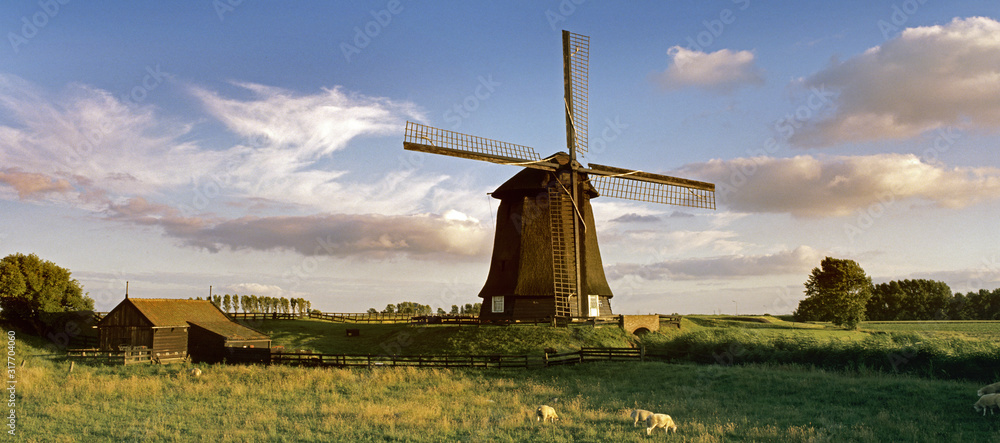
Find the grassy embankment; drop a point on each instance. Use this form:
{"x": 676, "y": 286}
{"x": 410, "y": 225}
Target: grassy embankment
{"x": 713, "y": 402}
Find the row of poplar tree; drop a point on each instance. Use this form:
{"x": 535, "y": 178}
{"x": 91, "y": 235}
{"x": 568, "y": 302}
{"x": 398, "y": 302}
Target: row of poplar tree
{"x": 839, "y": 291}
{"x": 260, "y": 305}
{"x": 409, "y": 307}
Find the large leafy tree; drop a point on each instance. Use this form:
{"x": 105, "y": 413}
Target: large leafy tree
{"x": 838, "y": 292}
{"x": 30, "y": 286}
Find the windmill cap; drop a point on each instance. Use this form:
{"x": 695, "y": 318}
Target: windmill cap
{"x": 531, "y": 182}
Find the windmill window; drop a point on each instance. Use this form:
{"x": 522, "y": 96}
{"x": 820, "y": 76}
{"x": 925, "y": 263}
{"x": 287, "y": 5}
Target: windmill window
{"x": 497, "y": 304}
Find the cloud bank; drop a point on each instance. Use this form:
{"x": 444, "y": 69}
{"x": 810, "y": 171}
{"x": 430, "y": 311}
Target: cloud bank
{"x": 796, "y": 261}
{"x": 927, "y": 78}
{"x": 807, "y": 186}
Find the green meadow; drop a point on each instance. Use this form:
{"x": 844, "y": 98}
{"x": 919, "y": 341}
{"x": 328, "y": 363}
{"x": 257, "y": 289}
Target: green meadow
{"x": 712, "y": 379}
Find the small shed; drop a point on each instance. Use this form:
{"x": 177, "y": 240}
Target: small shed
{"x": 174, "y": 329}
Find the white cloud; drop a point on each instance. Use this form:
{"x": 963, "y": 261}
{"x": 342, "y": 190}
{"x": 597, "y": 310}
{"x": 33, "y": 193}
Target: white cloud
{"x": 927, "y": 78}
{"x": 258, "y": 289}
{"x": 807, "y": 186}
{"x": 796, "y": 261}
{"x": 720, "y": 71}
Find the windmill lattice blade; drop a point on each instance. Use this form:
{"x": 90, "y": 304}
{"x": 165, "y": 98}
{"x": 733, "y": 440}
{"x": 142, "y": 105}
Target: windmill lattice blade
{"x": 441, "y": 141}
{"x": 577, "y": 73}
{"x": 641, "y": 190}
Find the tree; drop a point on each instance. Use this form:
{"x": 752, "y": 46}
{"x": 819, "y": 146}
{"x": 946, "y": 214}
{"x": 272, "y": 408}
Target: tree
{"x": 372, "y": 311}
{"x": 227, "y": 302}
{"x": 838, "y": 292}
{"x": 389, "y": 309}
{"x": 30, "y": 286}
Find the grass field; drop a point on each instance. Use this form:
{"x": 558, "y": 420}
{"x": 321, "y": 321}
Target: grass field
{"x": 714, "y": 402}
{"x": 975, "y": 329}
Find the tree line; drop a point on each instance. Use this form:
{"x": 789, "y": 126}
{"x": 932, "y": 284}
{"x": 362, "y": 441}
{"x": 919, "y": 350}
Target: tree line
{"x": 840, "y": 292}
{"x": 409, "y": 307}
{"x": 260, "y": 305}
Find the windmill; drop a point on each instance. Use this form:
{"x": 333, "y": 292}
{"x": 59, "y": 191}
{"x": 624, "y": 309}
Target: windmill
{"x": 546, "y": 263}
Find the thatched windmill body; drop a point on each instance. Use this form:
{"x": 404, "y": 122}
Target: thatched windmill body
{"x": 546, "y": 262}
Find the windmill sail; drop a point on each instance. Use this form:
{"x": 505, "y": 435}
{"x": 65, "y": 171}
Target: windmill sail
{"x": 655, "y": 188}
{"x": 442, "y": 141}
{"x": 576, "y": 75}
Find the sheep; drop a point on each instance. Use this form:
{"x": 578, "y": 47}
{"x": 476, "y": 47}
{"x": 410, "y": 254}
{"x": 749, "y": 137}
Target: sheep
{"x": 639, "y": 415}
{"x": 660, "y": 421}
{"x": 989, "y": 389}
{"x": 988, "y": 401}
{"x": 544, "y": 413}
{"x": 195, "y": 372}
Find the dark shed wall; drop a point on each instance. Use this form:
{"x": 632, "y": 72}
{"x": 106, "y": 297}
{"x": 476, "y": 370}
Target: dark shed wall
{"x": 170, "y": 343}
{"x": 124, "y": 326}
{"x": 206, "y": 346}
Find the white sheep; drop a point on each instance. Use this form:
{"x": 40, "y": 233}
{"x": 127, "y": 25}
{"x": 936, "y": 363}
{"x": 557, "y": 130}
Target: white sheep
{"x": 544, "y": 413}
{"x": 660, "y": 421}
{"x": 988, "y": 401}
{"x": 989, "y": 389}
{"x": 195, "y": 372}
{"x": 639, "y": 415}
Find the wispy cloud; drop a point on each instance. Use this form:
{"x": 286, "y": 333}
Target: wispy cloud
{"x": 720, "y": 71}
{"x": 127, "y": 163}
{"x": 807, "y": 186}
{"x": 927, "y": 78}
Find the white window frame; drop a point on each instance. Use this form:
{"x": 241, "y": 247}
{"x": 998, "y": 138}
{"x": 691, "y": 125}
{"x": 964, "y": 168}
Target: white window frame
{"x": 497, "y": 304}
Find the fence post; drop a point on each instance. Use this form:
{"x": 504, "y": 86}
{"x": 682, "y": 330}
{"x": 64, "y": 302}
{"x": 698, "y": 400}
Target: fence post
{"x": 642, "y": 352}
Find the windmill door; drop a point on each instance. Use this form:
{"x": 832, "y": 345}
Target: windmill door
{"x": 594, "y": 303}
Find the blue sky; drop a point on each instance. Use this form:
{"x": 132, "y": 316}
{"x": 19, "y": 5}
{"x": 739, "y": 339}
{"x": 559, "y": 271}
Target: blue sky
{"x": 257, "y": 146}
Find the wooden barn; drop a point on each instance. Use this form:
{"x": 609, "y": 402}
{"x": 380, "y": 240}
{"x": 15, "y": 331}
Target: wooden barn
{"x": 175, "y": 329}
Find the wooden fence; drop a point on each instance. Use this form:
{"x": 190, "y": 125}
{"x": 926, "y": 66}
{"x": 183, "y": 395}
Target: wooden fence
{"x": 362, "y": 317}
{"x": 460, "y": 361}
{"x": 264, "y": 316}
{"x": 126, "y": 356}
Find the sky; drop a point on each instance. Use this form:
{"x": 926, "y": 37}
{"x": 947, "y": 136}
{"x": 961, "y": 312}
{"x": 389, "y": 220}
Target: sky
{"x": 255, "y": 147}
